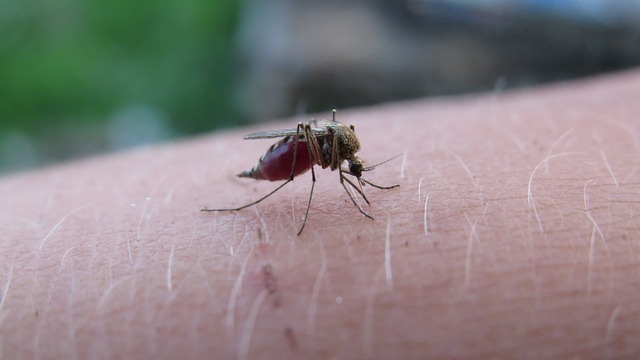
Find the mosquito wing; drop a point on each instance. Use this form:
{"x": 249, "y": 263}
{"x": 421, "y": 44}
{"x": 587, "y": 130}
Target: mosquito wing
{"x": 270, "y": 134}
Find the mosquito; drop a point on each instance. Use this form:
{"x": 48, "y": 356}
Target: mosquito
{"x": 324, "y": 143}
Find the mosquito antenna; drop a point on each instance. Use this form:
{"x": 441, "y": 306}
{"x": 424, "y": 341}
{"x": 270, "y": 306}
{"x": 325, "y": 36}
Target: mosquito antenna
{"x": 369, "y": 168}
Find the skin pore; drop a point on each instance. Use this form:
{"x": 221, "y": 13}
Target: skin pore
{"x": 514, "y": 234}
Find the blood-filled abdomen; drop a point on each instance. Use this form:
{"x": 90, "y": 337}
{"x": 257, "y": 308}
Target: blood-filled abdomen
{"x": 276, "y": 163}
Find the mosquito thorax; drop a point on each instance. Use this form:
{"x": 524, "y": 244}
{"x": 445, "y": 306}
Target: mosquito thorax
{"x": 346, "y": 144}
{"x": 349, "y": 144}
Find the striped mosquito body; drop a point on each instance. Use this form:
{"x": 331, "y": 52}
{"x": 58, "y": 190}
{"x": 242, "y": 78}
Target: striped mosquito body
{"x": 325, "y": 143}
{"x": 276, "y": 163}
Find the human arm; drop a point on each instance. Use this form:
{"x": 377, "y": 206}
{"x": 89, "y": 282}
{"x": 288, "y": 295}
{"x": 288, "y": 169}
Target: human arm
{"x": 528, "y": 248}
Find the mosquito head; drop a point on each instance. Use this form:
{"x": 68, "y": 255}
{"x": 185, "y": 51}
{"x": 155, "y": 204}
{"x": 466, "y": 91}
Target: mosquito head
{"x": 356, "y": 166}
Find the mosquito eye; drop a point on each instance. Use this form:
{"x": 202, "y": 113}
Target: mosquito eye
{"x": 356, "y": 169}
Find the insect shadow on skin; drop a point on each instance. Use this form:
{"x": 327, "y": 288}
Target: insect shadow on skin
{"x": 324, "y": 143}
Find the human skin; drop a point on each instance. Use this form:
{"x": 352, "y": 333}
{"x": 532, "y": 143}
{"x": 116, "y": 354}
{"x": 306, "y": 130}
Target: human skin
{"x": 514, "y": 234}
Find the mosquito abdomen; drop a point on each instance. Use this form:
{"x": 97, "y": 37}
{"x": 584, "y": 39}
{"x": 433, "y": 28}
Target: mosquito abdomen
{"x": 276, "y": 163}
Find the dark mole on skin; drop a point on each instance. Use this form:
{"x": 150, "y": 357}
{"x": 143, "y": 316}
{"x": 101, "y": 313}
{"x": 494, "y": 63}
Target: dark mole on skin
{"x": 270, "y": 284}
{"x": 291, "y": 337}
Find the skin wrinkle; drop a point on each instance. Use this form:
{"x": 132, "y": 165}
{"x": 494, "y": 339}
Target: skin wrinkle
{"x": 525, "y": 294}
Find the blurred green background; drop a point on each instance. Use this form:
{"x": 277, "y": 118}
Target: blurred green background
{"x": 72, "y": 72}
{"x": 80, "y": 77}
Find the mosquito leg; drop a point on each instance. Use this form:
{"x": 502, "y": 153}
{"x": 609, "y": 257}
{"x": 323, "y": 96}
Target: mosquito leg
{"x": 305, "y": 133}
{"x": 253, "y": 203}
{"x": 308, "y": 135}
{"x": 314, "y": 147}
{"x": 335, "y": 154}
{"x": 306, "y": 214}
{"x": 380, "y": 186}
{"x": 351, "y": 197}
{"x": 295, "y": 150}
